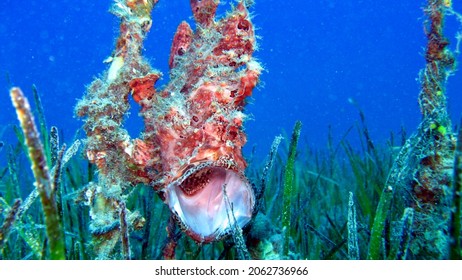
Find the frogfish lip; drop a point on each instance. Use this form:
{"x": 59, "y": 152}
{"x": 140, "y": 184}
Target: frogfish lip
{"x": 198, "y": 202}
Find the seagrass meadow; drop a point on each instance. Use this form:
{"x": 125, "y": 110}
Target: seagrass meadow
{"x": 397, "y": 200}
{"x": 329, "y": 211}
{"x": 330, "y": 219}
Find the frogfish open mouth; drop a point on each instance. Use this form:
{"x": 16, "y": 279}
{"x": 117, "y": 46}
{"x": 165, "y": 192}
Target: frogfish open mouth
{"x": 199, "y": 202}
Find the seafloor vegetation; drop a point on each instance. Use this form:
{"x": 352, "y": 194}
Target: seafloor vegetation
{"x": 332, "y": 204}
{"x": 400, "y": 200}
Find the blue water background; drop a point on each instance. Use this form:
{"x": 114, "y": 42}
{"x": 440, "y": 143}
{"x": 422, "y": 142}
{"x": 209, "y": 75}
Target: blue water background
{"x": 318, "y": 57}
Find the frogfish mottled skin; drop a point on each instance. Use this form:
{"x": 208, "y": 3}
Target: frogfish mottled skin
{"x": 194, "y": 125}
{"x": 191, "y": 148}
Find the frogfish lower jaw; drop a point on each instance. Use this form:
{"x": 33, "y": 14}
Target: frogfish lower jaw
{"x": 199, "y": 202}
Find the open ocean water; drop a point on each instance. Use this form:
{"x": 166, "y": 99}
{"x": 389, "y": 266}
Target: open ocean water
{"x": 324, "y": 62}
{"x": 318, "y": 57}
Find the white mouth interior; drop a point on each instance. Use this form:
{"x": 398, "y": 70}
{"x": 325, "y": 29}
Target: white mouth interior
{"x": 200, "y": 204}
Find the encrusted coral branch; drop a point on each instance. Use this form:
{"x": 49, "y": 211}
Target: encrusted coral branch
{"x": 108, "y": 144}
{"x": 106, "y": 103}
{"x": 422, "y": 173}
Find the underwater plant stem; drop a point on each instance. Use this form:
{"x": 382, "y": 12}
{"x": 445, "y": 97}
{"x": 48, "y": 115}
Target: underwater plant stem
{"x": 41, "y": 174}
{"x": 236, "y": 231}
{"x": 259, "y": 194}
{"x": 124, "y": 231}
{"x": 289, "y": 178}
{"x": 375, "y": 243}
{"x": 56, "y": 173}
{"x": 401, "y": 236}
{"x": 54, "y": 145}
{"x": 8, "y": 222}
{"x": 455, "y": 246}
{"x": 28, "y": 202}
{"x": 42, "y": 123}
{"x": 353, "y": 247}
{"x": 407, "y": 220}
